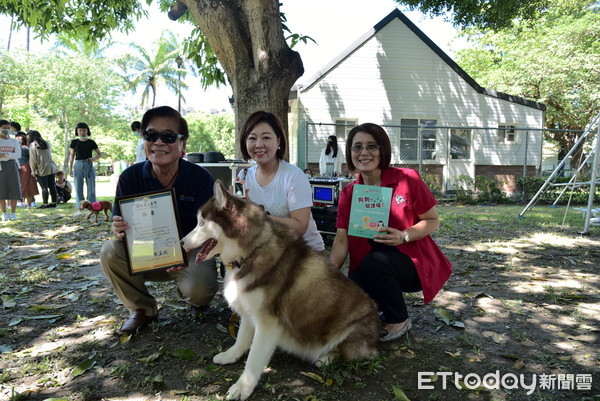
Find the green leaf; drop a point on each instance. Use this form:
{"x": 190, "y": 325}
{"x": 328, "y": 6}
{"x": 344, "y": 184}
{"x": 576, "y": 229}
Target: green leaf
{"x": 447, "y": 317}
{"x": 153, "y": 357}
{"x": 45, "y": 307}
{"x": 399, "y": 394}
{"x": 41, "y": 317}
{"x": 184, "y": 354}
{"x": 83, "y": 367}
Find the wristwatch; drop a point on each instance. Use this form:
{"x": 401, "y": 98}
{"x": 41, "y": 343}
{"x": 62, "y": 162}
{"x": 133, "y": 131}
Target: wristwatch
{"x": 406, "y": 237}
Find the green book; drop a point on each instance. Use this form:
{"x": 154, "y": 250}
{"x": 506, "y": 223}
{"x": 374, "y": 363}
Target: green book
{"x": 370, "y": 210}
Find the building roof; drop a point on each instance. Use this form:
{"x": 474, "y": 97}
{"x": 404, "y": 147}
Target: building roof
{"x": 421, "y": 35}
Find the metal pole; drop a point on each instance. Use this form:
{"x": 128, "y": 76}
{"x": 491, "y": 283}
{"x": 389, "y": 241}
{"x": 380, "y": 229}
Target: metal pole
{"x": 593, "y": 182}
{"x": 179, "y": 61}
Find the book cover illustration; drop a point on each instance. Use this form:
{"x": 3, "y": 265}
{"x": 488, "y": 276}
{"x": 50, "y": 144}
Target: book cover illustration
{"x": 370, "y": 210}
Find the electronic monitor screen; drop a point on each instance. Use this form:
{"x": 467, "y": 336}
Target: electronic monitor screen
{"x": 324, "y": 194}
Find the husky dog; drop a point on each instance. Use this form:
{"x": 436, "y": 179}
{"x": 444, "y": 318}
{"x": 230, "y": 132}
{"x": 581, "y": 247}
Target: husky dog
{"x": 287, "y": 295}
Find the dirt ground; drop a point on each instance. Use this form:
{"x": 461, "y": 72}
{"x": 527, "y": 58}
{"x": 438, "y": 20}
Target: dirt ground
{"x": 523, "y": 303}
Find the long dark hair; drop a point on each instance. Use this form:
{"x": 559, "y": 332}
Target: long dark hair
{"x": 333, "y": 147}
{"x": 34, "y": 136}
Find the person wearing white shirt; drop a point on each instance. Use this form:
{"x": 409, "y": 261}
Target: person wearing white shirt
{"x": 10, "y": 186}
{"x": 281, "y": 188}
{"x": 330, "y": 162}
{"x": 140, "y": 154}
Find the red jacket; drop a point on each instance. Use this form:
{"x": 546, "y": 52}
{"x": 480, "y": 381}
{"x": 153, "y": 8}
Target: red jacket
{"x": 410, "y": 197}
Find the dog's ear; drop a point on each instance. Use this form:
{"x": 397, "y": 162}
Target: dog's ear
{"x": 221, "y": 194}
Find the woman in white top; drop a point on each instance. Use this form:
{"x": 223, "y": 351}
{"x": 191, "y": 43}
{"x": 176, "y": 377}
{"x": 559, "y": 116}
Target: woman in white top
{"x": 330, "y": 163}
{"x": 281, "y": 188}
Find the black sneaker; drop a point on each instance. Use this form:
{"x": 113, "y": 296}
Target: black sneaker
{"x": 51, "y": 205}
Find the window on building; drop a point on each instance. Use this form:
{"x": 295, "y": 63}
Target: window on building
{"x": 460, "y": 143}
{"x": 409, "y": 139}
{"x": 343, "y": 126}
{"x": 506, "y": 133}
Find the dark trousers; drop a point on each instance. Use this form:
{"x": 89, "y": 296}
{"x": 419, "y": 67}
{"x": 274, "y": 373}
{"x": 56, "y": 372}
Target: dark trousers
{"x": 47, "y": 183}
{"x": 385, "y": 273}
{"x": 63, "y": 195}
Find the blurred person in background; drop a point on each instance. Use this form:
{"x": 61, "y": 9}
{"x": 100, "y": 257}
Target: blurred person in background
{"x": 29, "y": 186}
{"x": 10, "y": 185}
{"x": 81, "y": 164}
{"x": 42, "y": 167}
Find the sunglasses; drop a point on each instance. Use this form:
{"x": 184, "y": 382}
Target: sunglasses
{"x": 166, "y": 137}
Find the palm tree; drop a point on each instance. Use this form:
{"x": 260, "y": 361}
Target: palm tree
{"x": 152, "y": 68}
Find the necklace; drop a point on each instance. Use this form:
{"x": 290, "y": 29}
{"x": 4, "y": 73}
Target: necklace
{"x": 170, "y": 181}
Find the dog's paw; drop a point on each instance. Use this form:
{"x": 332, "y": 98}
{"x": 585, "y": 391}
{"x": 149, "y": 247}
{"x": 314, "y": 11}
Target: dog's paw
{"x": 225, "y": 358}
{"x": 327, "y": 359}
{"x": 240, "y": 390}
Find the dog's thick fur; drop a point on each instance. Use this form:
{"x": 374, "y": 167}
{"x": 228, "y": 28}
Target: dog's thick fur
{"x": 106, "y": 207}
{"x": 287, "y": 295}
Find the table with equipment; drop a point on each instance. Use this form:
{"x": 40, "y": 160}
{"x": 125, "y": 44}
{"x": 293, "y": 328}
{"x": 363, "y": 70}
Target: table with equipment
{"x": 325, "y": 192}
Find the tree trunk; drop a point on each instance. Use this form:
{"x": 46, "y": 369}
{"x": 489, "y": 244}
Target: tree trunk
{"x": 247, "y": 38}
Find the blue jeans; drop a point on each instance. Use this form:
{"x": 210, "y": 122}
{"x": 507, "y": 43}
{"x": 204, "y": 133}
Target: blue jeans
{"x": 84, "y": 169}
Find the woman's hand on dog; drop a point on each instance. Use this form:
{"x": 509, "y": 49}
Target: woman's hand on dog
{"x": 118, "y": 227}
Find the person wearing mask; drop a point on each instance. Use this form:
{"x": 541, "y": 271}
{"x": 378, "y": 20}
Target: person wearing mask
{"x": 402, "y": 257}
{"x": 136, "y": 128}
{"x": 81, "y": 164}
{"x": 165, "y": 134}
{"x": 281, "y": 188}
{"x": 29, "y": 188}
{"x": 10, "y": 186}
{"x": 330, "y": 162}
{"x": 42, "y": 167}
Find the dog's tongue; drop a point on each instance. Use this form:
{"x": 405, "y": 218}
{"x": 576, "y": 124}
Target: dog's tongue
{"x": 205, "y": 249}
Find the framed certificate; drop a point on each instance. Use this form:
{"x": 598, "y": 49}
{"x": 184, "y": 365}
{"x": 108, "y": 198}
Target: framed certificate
{"x": 152, "y": 238}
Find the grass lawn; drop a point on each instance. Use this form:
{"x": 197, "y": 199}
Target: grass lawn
{"x": 523, "y": 300}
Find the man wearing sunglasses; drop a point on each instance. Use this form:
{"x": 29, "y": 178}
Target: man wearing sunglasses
{"x": 165, "y": 133}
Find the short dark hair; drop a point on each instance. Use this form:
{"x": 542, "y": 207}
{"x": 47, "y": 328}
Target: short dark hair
{"x": 169, "y": 112}
{"x": 273, "y": 121}
{"x": 60, "y": 172}
{"x": 83, "y": 125}
{"x": 15, "y": 125}
{"x": 4, "y": 122}
{"x": 381, "y": 138}
{"x": 136, "y": 126}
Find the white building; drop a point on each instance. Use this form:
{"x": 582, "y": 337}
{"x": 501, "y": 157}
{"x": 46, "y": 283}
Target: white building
{"x": 395, "y": 76}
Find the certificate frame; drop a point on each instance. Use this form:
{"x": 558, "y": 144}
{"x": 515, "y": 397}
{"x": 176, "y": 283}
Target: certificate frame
{"x": 152, "y": 240}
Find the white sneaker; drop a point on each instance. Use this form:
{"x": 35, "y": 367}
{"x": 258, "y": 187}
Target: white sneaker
{"x": 78, "y": 213}
{"x": 21, "y": 204}
{"x": 12, "y": 216}
{"x": 5, "y": 217}
{"x": 33, "y": 204}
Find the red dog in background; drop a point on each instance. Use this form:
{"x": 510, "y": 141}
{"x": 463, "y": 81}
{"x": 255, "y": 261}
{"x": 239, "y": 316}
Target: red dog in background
{"x": 95, "y": 208}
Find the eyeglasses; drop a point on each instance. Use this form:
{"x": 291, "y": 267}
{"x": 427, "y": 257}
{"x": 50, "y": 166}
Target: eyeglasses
{"x": 370, "y": 148}
{"x": 166, "y": 137}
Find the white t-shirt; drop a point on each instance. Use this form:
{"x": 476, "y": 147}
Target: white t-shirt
{"x": 140, "y": 155}
{"x": 289, "y": 190}
{"x": 326, "y": 169}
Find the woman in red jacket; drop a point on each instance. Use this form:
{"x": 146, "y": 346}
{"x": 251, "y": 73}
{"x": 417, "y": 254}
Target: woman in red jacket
{"x": 402, "y": 257}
